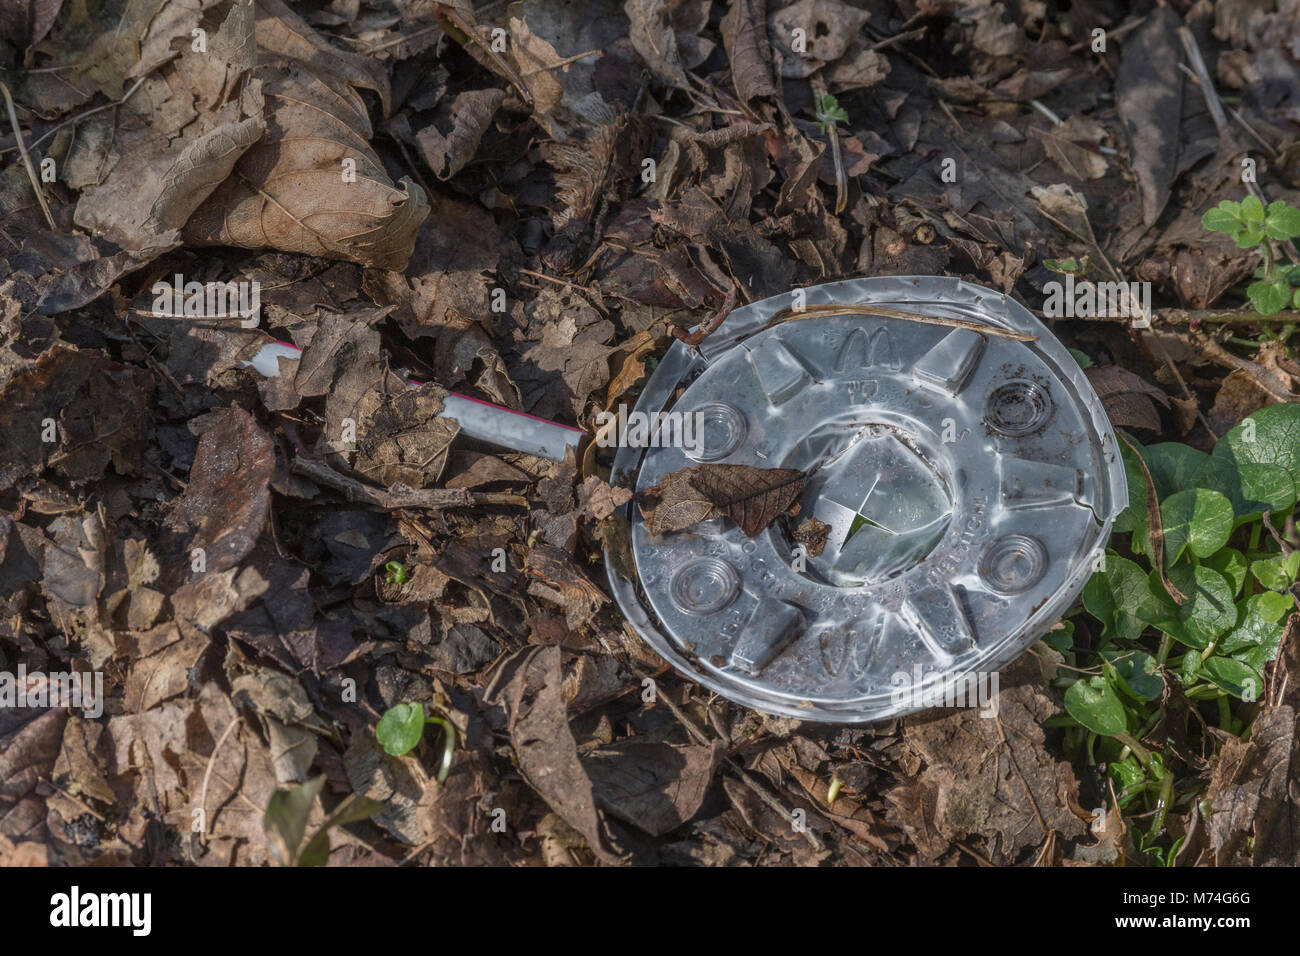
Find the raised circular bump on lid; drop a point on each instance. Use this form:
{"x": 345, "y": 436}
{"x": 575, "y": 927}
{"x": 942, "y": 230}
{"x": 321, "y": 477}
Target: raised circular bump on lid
{"x": 704, "y": 586}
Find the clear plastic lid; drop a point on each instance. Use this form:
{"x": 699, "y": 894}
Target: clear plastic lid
{"x": 963, "y": 466}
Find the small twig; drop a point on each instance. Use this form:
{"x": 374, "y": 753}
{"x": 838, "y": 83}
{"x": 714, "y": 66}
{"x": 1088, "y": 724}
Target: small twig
{"x": 1282, "y": 543}
{"x": 203, "y": 790}
{"x": 1278, "y": 390}
{"x": 1220, "y": 316}
{"x": 564, "y": 62}
{"x": 817, "y": 311}
{"x": 27, "y": 159}
{"x": 841, "y": 177}
{"x": 402, "y": 39}
{"x": 77, "y": 119}
{"x": 157, "y": 366}
{"x": 1264, "y": 144}
{"x": 772, "y": 802}
{"x": 1203, "y": 80}
{"x": 897, "y": 38}
{"x": 709, "y": 325}
{"x": 400, "y": 496}
{"x": 1122, "y": 30}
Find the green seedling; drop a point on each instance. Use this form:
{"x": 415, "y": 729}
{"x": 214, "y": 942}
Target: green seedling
{"x": 1251, "y": 225}
{"x": 829, "y": 112}
{"x": 397, "y": 573}
{"x": 402, "y": 726}
{"x": 285, "y": 823}
{"x": 1211, "y": 631}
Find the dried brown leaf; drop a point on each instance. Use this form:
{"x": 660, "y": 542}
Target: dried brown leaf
{"x": 812, "y": 534}
{"x": 528, "y": 686}
{"x": 203, "y": 166}
{"x": 750, "y": 496}
{"x": 1128, "y": 399}
{"x": 312, "y": 184}
{"x": 467, "y": 117}
{"x": 674, "y": 504}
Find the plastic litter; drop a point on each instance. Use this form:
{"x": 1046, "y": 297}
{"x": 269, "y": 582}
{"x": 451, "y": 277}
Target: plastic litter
{"x": 485, "y": 421}
{"x": 967, "y": 472}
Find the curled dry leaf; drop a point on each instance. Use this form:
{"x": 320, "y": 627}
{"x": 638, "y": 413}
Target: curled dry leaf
{"x": 312, "y": 184}
{"x": 468, "y": 116}
{"x": 1130, "y": 402}
{"x": 203, "y": 166}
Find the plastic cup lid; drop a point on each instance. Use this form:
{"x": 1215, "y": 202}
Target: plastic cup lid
{"x": 965, "y": 470}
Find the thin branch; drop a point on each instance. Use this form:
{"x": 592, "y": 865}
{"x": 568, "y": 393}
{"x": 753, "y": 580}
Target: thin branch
{"x": 400, "y": 496}
{"x": 27, "y": 159}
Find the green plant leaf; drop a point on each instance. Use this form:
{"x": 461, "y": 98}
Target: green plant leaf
{"x": 400, "y": 729}
{"x": 829, "y": 111}
{"x": 1231, "y": 563}
{"x": 1081, "y": 358}
{"x": 1263, "y": 487}
{"x": 285, "y": 820}
{"x": 1278, "y": 572}
{"x": 1281, "y": 221}
{"x": 1094, "y": 703}
{"x": 1128, "y": 774}
{"x": 1252, "y": 210}
{"x": 1137, "y": 673}
{"x": 1175, "y": 467}
{"x": 1198, "y": 519}
{"x": 1134, "y": 516}
{"x": 1061, "y": 639}
{"x": 1063, "y": 266}
{"x": 1225, "y": 217}
{"x": 1271, "y": 438}
{"x": 1237, "y": 678}
{"x": 1286, "y": 270}
{"x": 1269, "y": 297}
{"x": 1251, "y": 488}
{"x": 1113, "y": 596}
{"x": 1208, "y": 612}
{"x": 1249, "y": 235}
{"x": 352, "y": 809}
{"x": 1261, "y": 623}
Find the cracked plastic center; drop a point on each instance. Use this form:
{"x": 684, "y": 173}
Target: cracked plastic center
{"x": 885, "y": 502}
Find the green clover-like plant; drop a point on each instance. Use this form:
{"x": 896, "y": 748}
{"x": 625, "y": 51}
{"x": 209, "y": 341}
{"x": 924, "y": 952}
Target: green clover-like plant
{"x": 1250, "y": 224}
